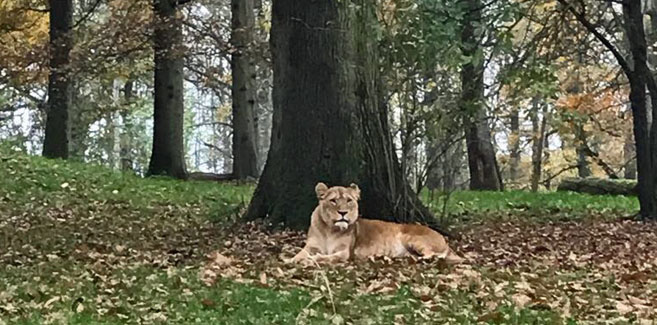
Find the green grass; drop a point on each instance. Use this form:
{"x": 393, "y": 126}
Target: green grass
{"x": 39, "y": 181}
{"x": 151, "y": 295}
{"x": 81, "y": 244}
{"x": 464, "y": 206}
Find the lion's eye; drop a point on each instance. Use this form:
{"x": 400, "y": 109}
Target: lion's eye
{"x": 349, "y": 200}
{"x": 334, "y": 201}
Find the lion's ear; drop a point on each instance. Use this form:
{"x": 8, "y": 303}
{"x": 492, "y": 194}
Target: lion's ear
{"x": 320, "y": 190}
{"x": 356, "y": 190}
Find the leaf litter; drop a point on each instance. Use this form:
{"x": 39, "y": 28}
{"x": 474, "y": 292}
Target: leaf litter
{"x": 57, "y": 243}
{"x": 592, "y": 271}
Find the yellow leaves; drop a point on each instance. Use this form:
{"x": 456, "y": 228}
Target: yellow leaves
{"x": 22, "y": 25}
{"x": 223, "y": 112}
{"x": 23, "y": 39}
{"x": 386, "y": 12}
{"x": 546, "y": 6}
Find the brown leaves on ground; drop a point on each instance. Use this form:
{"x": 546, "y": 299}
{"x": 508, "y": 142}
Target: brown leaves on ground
{"x": 591, "y": 270}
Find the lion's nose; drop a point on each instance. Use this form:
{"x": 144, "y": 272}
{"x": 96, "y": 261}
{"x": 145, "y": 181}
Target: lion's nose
{"x": 343, "y": 213}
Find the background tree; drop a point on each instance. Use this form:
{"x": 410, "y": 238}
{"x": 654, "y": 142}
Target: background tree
{"x": 167, "y": 157}
{"x": 530, "y": 50}
{"x": 641, "y": 81}
{"x": 58, "y": 128}
{"x": 243, "y": 90}
{"x": 329, "y": 120}
{"x": 482, "y": 162}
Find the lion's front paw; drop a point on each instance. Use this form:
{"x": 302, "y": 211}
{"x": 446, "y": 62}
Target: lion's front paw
{"x": 303, "y": 259}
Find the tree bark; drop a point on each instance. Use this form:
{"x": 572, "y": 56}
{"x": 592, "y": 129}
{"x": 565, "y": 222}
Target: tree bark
{"x": 484, "y": 171}
{"x": 126, "y": 138}
{"x": 645, "y": 138}
{"x": 538, "y": 142}
{"x": 60, "y": 90}
{"x": 514, "y": 145}
{"x": 629, "y": 156}
{"x": 598, "y": 186}
{"x": 329, "y": 123}
{"x": 583, "y": 169}
{"x": 245, "y": 149}
{"x": 80, "y": 120}
{"x": 167, "y": 157}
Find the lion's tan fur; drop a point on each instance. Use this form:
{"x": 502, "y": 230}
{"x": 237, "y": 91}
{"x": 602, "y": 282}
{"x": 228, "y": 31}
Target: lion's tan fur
{"x": 337, "y": 234}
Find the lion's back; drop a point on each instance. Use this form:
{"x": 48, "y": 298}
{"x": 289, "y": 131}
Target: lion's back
{"x": 377, "y": 238}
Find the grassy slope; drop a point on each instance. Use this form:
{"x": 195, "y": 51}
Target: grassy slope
{"x": 82, "y": 244}
{"x": 465, "y": 207}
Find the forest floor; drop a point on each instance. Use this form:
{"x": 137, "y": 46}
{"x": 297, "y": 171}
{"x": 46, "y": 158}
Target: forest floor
{"x": 82, "y": 244}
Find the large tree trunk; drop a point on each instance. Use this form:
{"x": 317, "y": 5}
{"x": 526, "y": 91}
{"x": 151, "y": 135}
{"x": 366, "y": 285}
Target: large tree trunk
{"x": 167, "y": 157}
{"x": 57, "y": 135}
{"x": 484, "y": 171}
{"x": 514, "y": 145}
{"x": 640, "y": 77}
{"x": 329, "y": 124}
{"x": 245, "y": 150}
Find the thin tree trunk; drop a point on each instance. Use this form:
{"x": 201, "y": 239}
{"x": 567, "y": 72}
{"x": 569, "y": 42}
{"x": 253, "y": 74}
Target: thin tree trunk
{"x": 329, "y": 123}
{"x": 629, "y": 155}
{"x": 583, "y": 169}
{"x": 453, "y": 166}
{"x": 126, "y": 138}
{"x": 227, "y": 159}
{"x": 514, "y": 145}
{"x": 538, "y": 142}
{"x": 60, "y": 89}
{"x": 110, "y": 136}
{"x": 484, "y": 172}
{"x": 245, "y": 143}
{"x": 80, "y": 120}
{"x": 167, "y": 157}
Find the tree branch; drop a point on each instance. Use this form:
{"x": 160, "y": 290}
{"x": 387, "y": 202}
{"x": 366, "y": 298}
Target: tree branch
{"x": 589, "y": 26}
{"x": 87, "y": 14}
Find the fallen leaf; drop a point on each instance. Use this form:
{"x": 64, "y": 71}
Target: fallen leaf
{"x": 495, "y": 316}
{"x": 520, "y": 300}
{"x": 623, "y": 308}
{"x": 51, "y": 301}
{"x": 207, "y": 302}
{"x": 263, "y": 278}
{"x": 218, "y": 259}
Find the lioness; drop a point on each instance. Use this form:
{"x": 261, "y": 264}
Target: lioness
{"x": 336, "y": 233}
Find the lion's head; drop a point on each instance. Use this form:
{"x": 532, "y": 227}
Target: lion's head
{"x": 338, "y": 204}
